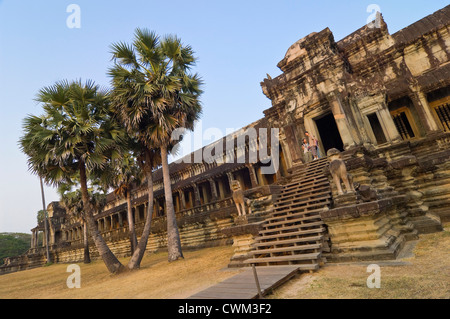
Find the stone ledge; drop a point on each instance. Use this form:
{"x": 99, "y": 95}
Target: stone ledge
{"x": 252, "y": 229}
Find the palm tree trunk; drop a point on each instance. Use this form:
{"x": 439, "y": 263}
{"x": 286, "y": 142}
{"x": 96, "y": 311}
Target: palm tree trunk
{"x": 46, "y": 236}
{"x": 110, "y": 260}
{"x": 87, "y": 257}
{"x": 131, "y": 227}
{"x": 135, "y": 261}
{"x": 173, "y": 235}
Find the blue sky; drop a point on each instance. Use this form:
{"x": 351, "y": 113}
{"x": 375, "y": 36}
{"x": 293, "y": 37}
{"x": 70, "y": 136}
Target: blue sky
{"x": 236, "y": 42}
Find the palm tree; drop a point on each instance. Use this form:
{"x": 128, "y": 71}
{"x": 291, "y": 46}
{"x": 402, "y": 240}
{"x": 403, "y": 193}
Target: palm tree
{"x": 124, "y": 176}
{"x": 72, "y": 203}
{"x": 147, "y": 160}
{"x": 154, "y": 94}
{"x": 74, "y": 137}
{"x": 46, "y": 233}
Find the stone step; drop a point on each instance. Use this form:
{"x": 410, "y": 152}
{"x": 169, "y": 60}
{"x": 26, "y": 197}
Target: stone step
{"x": 299, "y": 193}
{"x": 304, "y": 182}
{"x": 288, "y": 258}
{"x": 300, "y": 190}
{"x": 318, "y": 230}
{"x": 317, "y": 207}
{"x": 286, "y": 249}
{"x": 311, "y": 200}
{"x": 277, "y": 243}
{"x": 301, "y": 218}
{"x": 296, "y": 226}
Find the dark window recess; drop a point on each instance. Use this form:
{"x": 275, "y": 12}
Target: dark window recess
{"x": 403, "y": 126}
{"x": 376, "y": 128}
{"x": 443, "y": 113}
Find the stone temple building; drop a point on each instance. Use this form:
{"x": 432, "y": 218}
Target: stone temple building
{"x": 382, "y": 100}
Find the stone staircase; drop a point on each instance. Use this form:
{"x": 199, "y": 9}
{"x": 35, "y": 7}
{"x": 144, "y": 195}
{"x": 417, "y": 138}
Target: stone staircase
{"x": 294, "y": 233}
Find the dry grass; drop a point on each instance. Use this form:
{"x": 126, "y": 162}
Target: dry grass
{"x": 425, "y": 275}
{"x": 156, "y": 279}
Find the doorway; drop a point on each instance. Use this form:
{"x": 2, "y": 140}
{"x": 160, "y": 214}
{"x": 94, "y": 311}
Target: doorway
{"x": 329, "y": 133}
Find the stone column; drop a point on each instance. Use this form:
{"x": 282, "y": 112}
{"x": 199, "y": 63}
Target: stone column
{"x": 341, "y": 123}
{"x": 262, "y": 179}
{"x": 205, "y": 195}
{"x": 292, "y": 143}
{"x": 36, "y": 238}
{"x": 196, "y": 195}
{"x": 389, "y": 125}
{"x": 137, "y": 218}
{"x": 120, "y": 220}
{"x": 145, "y": 210}
{"x": 182, "y": 199}
{"x": 423, "y": 109}
{"x": 212, "y": 184}
{"x": 44, "y": 239}
{"x": 252, "y": 174}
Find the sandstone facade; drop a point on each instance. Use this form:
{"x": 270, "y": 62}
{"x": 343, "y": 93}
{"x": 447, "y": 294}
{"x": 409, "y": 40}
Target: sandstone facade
{"x": 382, "y": 99}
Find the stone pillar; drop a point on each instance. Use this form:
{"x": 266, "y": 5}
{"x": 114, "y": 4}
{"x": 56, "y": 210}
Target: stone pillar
{"x": 212, "y": 184}
{"x": 44, "y": 239}
{"x": 182, "y": 199}
{"x": 292, "y": 143}
{"x": 155, "y": 208}
{"x": 423, "y": 109}
{"x": 32, "y": 239}
{"x": 205, "y": 195}
{"x": 262, "y": 179}
{"x": 196, "y": 195}
{"x": 341, "y": 123}
{"x": 221, "y": 189}
{"x": 176, "y": 201}
{"x": 145, "y": 210}
{"x": 120, "y": 220}
{"x": 252, "y": 174}
{"x": 389, "y": 125}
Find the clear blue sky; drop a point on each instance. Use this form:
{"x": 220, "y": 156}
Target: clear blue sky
{"x": 237, "y": 43}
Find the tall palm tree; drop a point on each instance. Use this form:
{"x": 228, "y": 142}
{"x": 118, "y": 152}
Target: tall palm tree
{"x": 74, "y": 136}
{"x": 147, "y": 160}
{"x": 46, "y": 233}
{"x": 154, "y": 94}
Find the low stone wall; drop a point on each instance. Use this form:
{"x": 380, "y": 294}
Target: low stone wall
{"x": 199, "y": 227}
{"x": 409, "y": 186}
{"x": 373, "y": 230}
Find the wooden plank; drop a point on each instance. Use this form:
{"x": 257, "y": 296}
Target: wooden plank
{"x": 313, "y": 256}
{"x": 243, "y": 286}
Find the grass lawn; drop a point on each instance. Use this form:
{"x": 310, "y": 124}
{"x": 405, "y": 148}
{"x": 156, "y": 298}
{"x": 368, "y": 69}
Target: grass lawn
{"x": 157, "y": 278}
{"x": 423, "y": 274}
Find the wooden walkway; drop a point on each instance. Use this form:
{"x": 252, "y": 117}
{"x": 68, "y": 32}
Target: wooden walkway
{"x": 243, "y": 285}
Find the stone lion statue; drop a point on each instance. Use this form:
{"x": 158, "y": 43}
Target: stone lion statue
{"x": 239, "y": 199}
{"x": 338, "y": 171}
